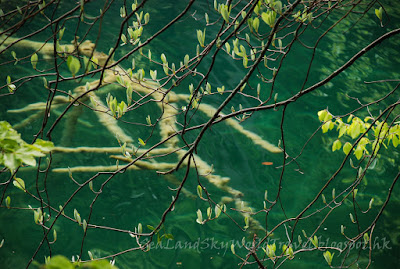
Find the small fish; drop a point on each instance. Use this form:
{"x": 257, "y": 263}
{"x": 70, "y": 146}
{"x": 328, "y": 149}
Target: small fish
{"x": 267, "y": 163}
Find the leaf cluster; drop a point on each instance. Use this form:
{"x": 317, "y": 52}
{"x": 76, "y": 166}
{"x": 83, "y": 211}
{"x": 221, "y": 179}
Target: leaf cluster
{"x": 14, "y": 151}
{"x": 373, "y": 135}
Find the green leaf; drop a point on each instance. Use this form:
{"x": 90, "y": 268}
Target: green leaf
{"x": 34, "y": 60}
{"x": 342, "y": 130}
{"x": 10, "y": 161}
{"x": 129, "y": 92}
{"x": 209, "y": 212}
{"x": 61, "y": 33}
{"x": 245, "y": 61}
{"x": 163, "y": 58}
{"x": 346, "y": 148}
{"x": 19, "y": 183}
{"x": 45, "y": 146}
{"x": 278, "y": 6}
{"x": 366, "y": 238}
{"x": 352, "y": 218}
{"x": 124, "y": 39}
{"x": 27, "y": 159}
{"x": 221, "y": 89}
{"x": 395, "y": 140}
{"x": 121, "y": 109}
{"x": 328, "y": 257}
{"x": 269, "y": 18}
{"x": 146, "y": 18}
{"x": 355, "y": 129}
{"x": 77, "y": 216}
{"x": 379, "y": 13}
{"x": 201, "y": 36}
{"x": 199, "y": 217}
{"x": 199, "y": 191}
{"x": 73, "y": 64}
{"x": 120, "y": 80}
{"x": 314, "y": 241}
{"x": 8, "y": 201}
{"x": 153, "y": 74}
{"x": 336, "y": 145}
{"x": 228, "y": 47}
{"x": 256, "y": 24}
{"x": 84, "y": 225}
{"x": 359, "y": 152}
{"x": 186, "y": 60}
{"x": 14, "y": 55}
{"x": 217, "y": 211}
{"x": 246, "y": 221}
{"x": 165, "y": 68}
{"x": 370, "y": 203}
{"x": 141, "y": 142}
{"x": 38, "y": 216}
{"x": 325, "y": 126}
{"x": 60, "y": 262}
{"x": 225, "y": 10}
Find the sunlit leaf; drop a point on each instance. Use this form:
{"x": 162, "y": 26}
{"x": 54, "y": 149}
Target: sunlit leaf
{"x": 73, "y": 64}
{"x": 19, "y": 183}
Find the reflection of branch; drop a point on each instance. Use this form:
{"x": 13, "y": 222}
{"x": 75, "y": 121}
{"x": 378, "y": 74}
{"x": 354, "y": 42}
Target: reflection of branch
{"x": 210, "y": 111}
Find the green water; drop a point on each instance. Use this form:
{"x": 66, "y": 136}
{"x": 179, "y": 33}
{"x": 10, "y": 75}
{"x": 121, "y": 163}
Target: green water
{"x": 142, "y": 196}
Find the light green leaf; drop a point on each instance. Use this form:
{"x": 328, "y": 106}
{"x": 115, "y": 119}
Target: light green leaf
{"x": 8, "y": 201}
{"x": 269, "y": 18}
{"x": 346, "y": 148}
{"x": 14, "y": 55}
{"x": 225, "y": 11}
{"x": 146, "y": 18}
{"x": 199, "y": 217}
{"x": 73, "y": 64}
{"x": 359, "y": 152}
{"x": 217, "y": 211}
{"x": 199, "y": 191}
{"x": 45, "y": 146}
{"x": 366, "y": 238}
{"x": 10, "y": 161}
{"x": 84, "y": 225}
{"x": 163, "y": 58}
{"x": 379, "y": 13}
{"x": 314, "y": 241}
{"x": 246, "y": 221}
{"x": 59, "y": 262}
{"x": 141, "y": 142}
{"x": 322, "y": 114}
{"x": 186, "y": 60}
{"x": 328, "y": 257}
{"x": 166, "y": 69}
{"x": 153, "y": 74}
{"x": 245, "y": 61}
{"x": 201, "y": 36}
{"x": 209, "y": 212}
{"x": 336, "y": 145}
{"x": 228, "y": 47}
{"x": 256, "y": 24}
{"x": 221, "y": 89}
{"x": 34, "y": 60}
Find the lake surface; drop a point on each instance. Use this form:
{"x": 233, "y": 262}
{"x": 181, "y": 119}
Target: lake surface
{"x": 141, "y": 196}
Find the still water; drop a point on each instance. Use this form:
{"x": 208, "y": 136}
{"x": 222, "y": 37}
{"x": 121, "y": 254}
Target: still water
{"x": 141, "y": 196}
